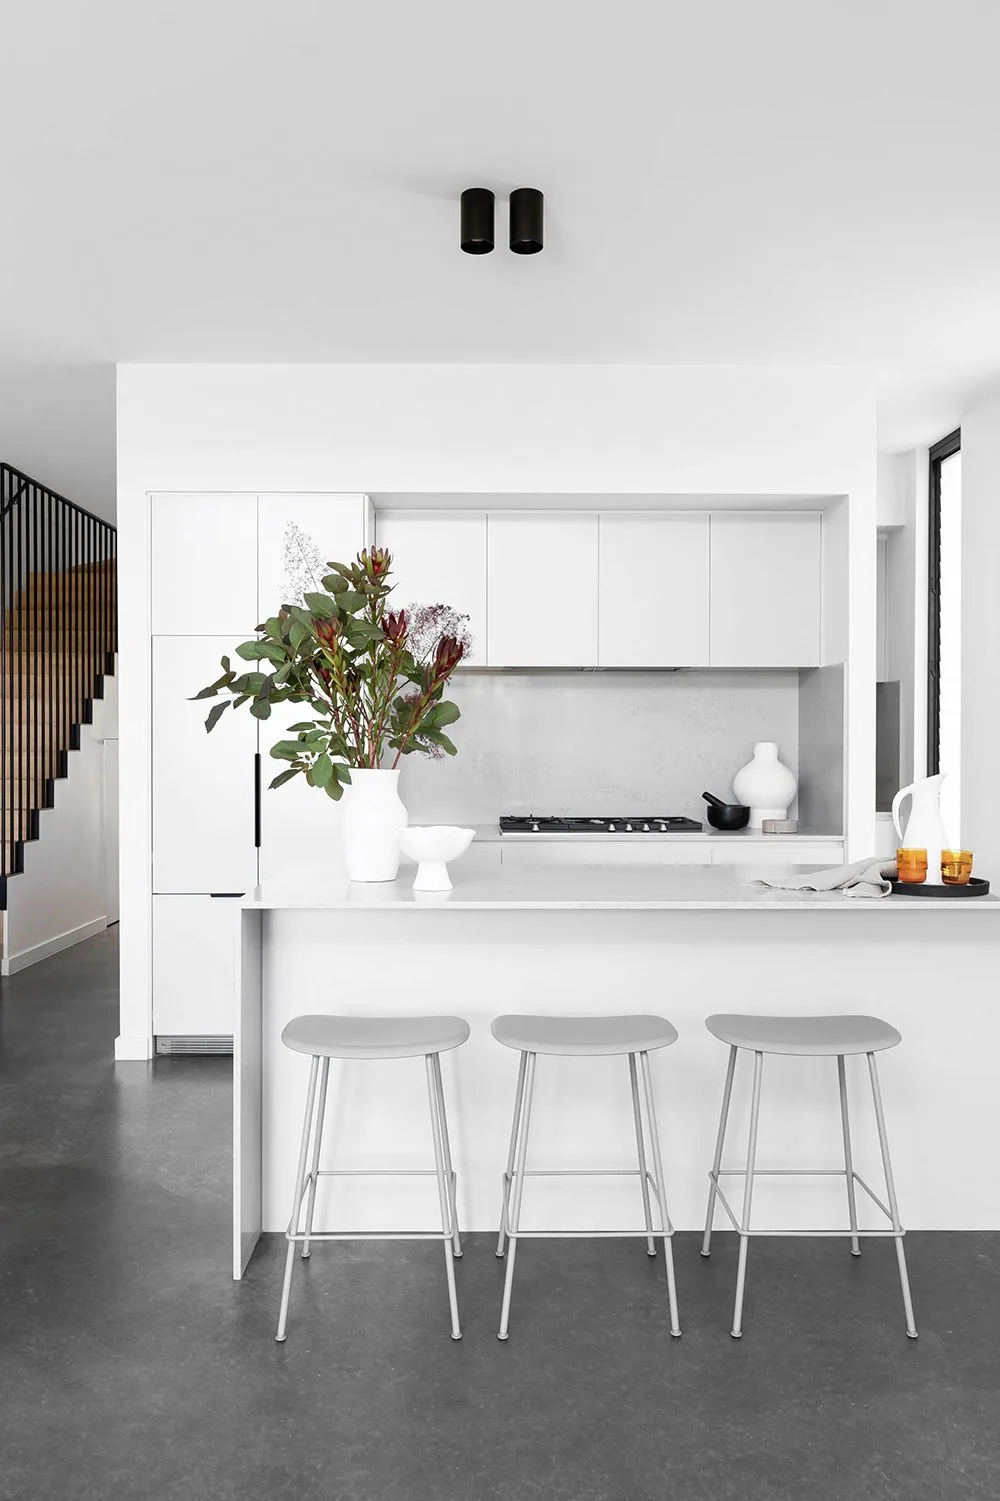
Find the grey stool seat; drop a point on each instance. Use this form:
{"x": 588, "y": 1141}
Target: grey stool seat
{"x": 374, "y": 1036}
{"x": 815, "y": 1036}
{"x": 582, "y": 1036}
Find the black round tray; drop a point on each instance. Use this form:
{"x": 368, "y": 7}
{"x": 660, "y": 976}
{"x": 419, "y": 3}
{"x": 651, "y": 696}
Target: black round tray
{"x": 977, "y": 886}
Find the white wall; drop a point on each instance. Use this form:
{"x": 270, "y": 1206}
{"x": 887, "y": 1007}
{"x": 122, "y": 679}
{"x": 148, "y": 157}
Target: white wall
{"x": 981, "y": 633}
{"x": 62, "y": 894}
{"x": 439, "y": 428}
{"x": 57, "y": 423}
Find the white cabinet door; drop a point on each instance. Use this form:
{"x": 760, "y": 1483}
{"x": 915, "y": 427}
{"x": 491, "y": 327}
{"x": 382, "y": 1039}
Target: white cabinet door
{"x": 785, "y": 852}
{"x": 297, "y": 536}
{"x": 654, "y": 590}
{"x": 542, "y": 589}
{"x": 527, "y": 852}
{"x": 299, "y": 825}
{"x": 766, "y": 589}
{"x": 439, "y": 557}
{"x": 203, "y": 565}
{"x": 194, "y": 966}
{"x": 203, "y": 785}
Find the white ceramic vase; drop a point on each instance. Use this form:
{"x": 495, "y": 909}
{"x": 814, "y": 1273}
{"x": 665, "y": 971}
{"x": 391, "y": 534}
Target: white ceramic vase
{"x": 764, "y": 785}
{"x": 374, "y": 818}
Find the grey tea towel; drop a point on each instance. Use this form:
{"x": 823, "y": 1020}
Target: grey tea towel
{"x": 867, "y": 878}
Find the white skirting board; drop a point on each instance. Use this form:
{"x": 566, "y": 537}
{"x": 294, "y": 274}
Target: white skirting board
{"x": 11, "y": 965}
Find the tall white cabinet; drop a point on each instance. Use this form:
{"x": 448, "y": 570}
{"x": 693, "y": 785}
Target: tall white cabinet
{"x": 219, "y": 565}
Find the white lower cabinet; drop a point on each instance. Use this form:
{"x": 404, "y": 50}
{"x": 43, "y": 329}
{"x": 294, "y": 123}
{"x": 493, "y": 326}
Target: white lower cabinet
{"x": 527, "y": 852}
{"x": 194, "y": 965}
{"x": 759, "y": 852}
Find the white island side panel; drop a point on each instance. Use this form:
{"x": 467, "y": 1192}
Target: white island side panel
{"x": 684, "y": 963}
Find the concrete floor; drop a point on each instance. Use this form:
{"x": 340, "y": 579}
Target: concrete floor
{"x": 132, "y": 1366}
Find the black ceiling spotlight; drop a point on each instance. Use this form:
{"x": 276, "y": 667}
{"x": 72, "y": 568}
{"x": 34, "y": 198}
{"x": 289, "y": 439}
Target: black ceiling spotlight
{"x": 477, "y": 221}
{"x": 526, "y": 220}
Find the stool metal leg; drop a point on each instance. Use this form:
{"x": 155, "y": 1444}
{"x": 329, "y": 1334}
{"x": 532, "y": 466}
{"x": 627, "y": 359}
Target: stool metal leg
{"x": 890, "y": 1188}
{"x": 706, "y": 1245}
{"x": 641, "y": 1149}
{"x": 661, "y": 1193}
{"x": 852, "y": 1207}
{"x": 518, "y": 1188}
{"x": 515, "y": 1123}
{"x": 297, "y": 1199}
{"x": 324, "y": 1078}
{"x": 449, "y": 1170}
{"x": 444, "y": 1194}
{"x": 741, "y": 1274}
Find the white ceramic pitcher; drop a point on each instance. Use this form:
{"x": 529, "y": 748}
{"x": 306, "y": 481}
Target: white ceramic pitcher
{"x": 925, "y": 828}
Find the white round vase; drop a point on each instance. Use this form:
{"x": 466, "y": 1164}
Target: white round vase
{"x": 764, "y": 785}
{"x": 374, "y": 818}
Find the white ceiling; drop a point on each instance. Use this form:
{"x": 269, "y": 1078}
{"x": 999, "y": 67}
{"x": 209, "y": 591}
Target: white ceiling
{"x": 727, "y": 183}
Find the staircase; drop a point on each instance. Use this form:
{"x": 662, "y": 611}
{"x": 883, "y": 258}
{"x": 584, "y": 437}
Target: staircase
{"x": 58, "y": 635}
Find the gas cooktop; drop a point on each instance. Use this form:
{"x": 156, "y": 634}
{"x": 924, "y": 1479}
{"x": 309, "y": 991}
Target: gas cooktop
{"x": 652, "y": 824}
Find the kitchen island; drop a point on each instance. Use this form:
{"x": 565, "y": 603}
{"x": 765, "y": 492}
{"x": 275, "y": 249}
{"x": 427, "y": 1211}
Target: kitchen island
{"x": 681, "y": 941}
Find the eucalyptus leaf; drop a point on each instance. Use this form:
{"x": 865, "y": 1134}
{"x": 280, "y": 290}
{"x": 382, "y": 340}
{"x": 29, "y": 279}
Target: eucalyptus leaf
{"x": 352, "y": 600}
{"x": 261, "y": 709}
{"x": 283, "y": 777}
{"x": 333, "y": 789}
{"x": 321, "y": 605}
{"x": 322, "y": 771}
{"x": 214, "y": 715}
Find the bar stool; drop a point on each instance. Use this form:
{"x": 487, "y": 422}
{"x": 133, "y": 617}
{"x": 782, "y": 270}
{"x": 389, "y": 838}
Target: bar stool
{"x": 804, "y": 1036}
{"x": 579, "y": 1037}
{"x": 324, "y": 1037}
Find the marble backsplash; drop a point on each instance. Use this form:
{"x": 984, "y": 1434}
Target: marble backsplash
{"x": 600, "y": 742}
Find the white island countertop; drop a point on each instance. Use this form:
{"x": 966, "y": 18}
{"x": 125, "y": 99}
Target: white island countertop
{"x": 604, "y": 887}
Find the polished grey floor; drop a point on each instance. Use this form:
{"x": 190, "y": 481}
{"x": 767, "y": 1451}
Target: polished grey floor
{"x": 131, "y": 1366}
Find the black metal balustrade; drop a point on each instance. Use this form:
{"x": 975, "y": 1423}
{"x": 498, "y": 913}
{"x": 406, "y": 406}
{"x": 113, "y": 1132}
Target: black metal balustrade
{"x": 58, "y": 638}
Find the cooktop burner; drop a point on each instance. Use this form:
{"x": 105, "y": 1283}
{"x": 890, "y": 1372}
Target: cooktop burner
{"x": 650, "y": 824}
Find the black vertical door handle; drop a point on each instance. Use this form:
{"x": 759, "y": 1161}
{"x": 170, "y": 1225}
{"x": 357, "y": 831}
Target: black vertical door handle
{"x": 256, "y": 800}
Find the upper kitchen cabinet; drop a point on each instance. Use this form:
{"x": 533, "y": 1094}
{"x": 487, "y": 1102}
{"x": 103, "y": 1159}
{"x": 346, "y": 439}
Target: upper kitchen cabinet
{"x": 439, "y": 557}
{"x": 297, "y": 535}
{"x": 203, "y": 565}
{"x": 542, "y": 589}
{"x": 654, "y": 590}
{"x": 766, "y": 594}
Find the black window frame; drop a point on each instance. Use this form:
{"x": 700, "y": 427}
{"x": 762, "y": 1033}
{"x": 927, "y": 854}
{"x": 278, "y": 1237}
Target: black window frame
{"x": 943, "y": 450}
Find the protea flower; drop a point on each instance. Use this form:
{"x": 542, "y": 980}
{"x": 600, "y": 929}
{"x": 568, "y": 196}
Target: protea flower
{"x": 448, "y": 653}
{"x": 394, "y": 626}
{"x": 326, "y": 631}
{"x": 375, "y": 561}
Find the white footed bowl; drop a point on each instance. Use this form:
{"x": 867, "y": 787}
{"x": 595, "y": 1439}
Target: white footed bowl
{"x": 432, "y": 849}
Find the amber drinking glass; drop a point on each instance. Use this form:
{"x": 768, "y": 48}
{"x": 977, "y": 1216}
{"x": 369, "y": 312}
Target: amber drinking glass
{"x": 956, "y": 867}
{"x": 911, "y": 866}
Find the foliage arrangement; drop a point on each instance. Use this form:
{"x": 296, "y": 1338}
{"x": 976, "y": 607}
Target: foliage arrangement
{"x": 374, "y": 678}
